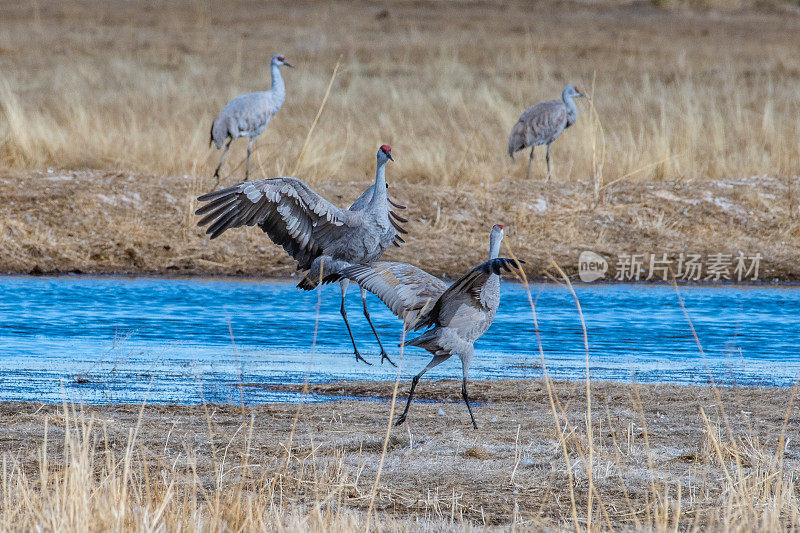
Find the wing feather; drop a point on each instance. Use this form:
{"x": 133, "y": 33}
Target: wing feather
{"x": 543, "y": 121}
{"x": 467, "y": 289}
{"x": 406, "y": 290}
{"x": 286, "y": 209}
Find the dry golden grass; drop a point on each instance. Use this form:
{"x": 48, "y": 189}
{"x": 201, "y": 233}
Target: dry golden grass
{"x": 691, "y": 146}
{"x": 134, "y": 86}
{"x": 663, "y": 458}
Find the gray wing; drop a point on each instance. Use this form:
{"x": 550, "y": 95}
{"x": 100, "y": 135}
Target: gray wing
{"x": 467, "y": 290}
{"x": 361, "y": 202}
{"x": 247, "y": 106}
{"x": 537, "y": 124}
{"x": 406, "y": 290}
{"x": 286, "y": 209}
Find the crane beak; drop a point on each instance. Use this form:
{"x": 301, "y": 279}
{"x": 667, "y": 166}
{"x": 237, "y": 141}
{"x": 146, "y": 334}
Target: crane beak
{"x": 285, "y": 64}
{"x": 390, "y": 157}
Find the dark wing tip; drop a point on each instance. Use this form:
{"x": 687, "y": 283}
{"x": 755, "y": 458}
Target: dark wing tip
{"x": 397, "y": 226}
{"x": 398, "y": 217}
{"x": 500, "y": 265}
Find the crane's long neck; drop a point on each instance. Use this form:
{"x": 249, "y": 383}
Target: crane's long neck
{"x": 277, "y": 81}
{"x": 494, "y": 246}
{"x": 572, "y": 109}
{"x": 379, "y": 198}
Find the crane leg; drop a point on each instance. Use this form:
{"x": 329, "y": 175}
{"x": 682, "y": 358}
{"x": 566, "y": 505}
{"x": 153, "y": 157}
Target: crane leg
{"x": 247, "y": 161}
{"x": 530, "y": 160}
{"x": 437, "y": 360}
{"x": 343, "y": 285}
{"x": 221, "y": 159}
{"x": 466, "y": 401}
{"x": 466, "y": 359}
{"x": 384, "y": 355}
{"x": 547, "y": 158}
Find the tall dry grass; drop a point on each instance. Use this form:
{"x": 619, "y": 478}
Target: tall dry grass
{"x": 85, "y": 474}
{"x": 135, "y": 86}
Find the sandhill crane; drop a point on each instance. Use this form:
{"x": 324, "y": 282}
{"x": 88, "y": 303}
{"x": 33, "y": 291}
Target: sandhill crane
{"x": 248, "y": 115}
{"x": 323, "y": 238}
{"x": 458, "y": 315}
{"x": 542, "y": 123}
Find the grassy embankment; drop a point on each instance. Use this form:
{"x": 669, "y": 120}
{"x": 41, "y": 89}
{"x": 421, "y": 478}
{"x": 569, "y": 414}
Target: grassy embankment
{"x": 691, "y": 146}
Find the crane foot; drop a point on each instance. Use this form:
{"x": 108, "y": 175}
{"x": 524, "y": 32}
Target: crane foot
{"x": 385, "y": 356}
{"x": 400, "y": 420}
{"x": 359, "y": 358}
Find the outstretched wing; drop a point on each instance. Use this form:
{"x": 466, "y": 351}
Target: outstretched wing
{"x": 406, "y": 290}
{"x": 286, "y": 209}
{"x": 468, "y": 289}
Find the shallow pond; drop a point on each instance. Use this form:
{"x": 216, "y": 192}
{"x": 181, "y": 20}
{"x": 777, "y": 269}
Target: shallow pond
{"x": 104, "y": 340}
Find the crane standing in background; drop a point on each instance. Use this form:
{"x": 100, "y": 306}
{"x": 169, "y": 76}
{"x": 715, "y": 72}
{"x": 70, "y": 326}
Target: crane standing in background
{"x": 249, "y": 114}
{"x": 542, "y": 123}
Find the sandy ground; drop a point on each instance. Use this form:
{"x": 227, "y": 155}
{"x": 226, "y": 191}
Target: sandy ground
{"x": 649, "y": 441}
{"x": 114, "y": 222}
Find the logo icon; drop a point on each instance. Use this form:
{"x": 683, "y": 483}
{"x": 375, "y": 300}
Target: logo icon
{"x": 591, "y": 266}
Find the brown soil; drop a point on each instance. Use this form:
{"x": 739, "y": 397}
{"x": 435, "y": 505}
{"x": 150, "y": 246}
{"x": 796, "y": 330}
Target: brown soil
{"x": 112, "y": 222}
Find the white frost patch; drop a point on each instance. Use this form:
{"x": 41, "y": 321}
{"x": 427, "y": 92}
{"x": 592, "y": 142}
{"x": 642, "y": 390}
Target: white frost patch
{"x": 540, "y": 205}
{"x": 58, "y": 178}
{"x": 672, "y": 197}
{"x": 107, "y": 199}
{"x": 725, "y": 205}
{"x": 134, "y": 199}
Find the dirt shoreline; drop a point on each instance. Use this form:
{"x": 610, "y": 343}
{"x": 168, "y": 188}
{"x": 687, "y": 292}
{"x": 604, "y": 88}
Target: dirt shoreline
{"x": 75, "y": 222}
{"x": 518, "y": 466}
{"x": 294, "y": 279}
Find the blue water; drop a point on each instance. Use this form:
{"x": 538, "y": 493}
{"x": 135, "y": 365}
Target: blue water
{"x": 105, "y": 340}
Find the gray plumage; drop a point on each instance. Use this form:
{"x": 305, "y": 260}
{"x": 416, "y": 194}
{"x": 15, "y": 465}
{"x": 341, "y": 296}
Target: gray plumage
{"x": 323, "y": 238}
{"x": 457, "y": 315}
{"x": 249, "y": 114}
{"x": 542, "y": 123}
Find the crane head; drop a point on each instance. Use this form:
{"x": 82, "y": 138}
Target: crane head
{"x": 385, "y": 151}
{"x": 574, "y": 92}
{"x": 279, "y": 60}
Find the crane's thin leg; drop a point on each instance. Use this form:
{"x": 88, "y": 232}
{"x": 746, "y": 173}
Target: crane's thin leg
{"x": 247, "y": 161}
{"x": 221, "y": 159}
{"x": 384, "y": 355}
{"x": 437, "y": 359}
{"x": 466, "y": 359}
{"x": 547, "y": 158}
{"x": 530, "y": 160}
{"x": 343, "y": 285}
{"x": 466, "y": 400}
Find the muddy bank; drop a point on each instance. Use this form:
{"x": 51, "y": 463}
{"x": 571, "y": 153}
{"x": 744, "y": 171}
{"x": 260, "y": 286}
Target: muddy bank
{"x": 122, "y": 223}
